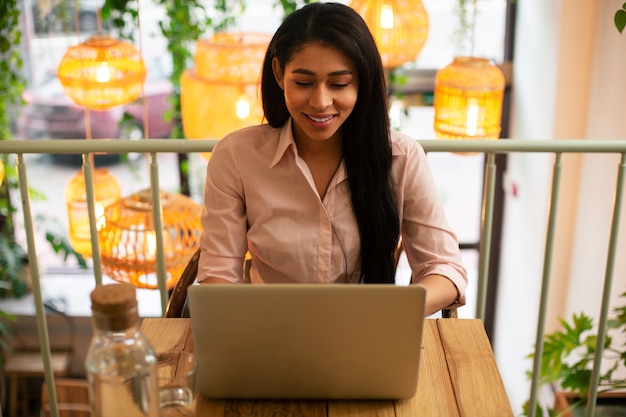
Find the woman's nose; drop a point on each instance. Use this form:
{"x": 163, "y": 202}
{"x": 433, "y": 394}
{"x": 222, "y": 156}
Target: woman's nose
{"x": 320, "y": 98}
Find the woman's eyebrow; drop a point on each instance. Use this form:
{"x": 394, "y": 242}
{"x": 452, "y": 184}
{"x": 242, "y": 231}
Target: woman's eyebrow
{"x": 331, "y": 74}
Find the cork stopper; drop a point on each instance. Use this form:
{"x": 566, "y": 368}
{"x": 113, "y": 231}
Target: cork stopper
{"x": 114, "y": 306}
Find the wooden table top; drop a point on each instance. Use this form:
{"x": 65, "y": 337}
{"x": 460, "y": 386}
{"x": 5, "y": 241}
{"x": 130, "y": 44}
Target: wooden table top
{"x": 458, "y": 377}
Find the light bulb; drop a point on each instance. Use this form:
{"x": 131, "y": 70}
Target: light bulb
{"x": 100, "y": 220}
{"x": 151, "y": 244}
{"x": 242, "y": 108}
{"x": 471, "y": 118}
{"x": 386, "y": 17}
{"x": 103, "y": 73}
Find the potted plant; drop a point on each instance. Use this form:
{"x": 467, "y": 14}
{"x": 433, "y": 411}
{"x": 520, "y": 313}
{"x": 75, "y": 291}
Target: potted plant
{"x": 567, "y": 362}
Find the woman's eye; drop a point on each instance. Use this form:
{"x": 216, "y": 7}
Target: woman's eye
{"x": 302, "y": 83}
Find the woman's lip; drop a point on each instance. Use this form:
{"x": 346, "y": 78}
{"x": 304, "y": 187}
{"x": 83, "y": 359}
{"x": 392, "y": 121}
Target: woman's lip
{"x": 320, "y": 119}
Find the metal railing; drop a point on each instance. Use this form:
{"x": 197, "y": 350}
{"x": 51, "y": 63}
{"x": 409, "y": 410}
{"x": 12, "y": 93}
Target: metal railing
{"x": 489, "y": 148}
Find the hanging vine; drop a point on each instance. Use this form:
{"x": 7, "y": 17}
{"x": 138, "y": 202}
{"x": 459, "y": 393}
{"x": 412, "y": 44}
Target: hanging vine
{"x": 11, "y": 81}
{"x": 463, "y": 35}
{"x": 12, "y": 256}
{"x": 186, "y": 22}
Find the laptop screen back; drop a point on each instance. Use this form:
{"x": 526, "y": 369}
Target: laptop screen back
{"x": 307, "y": 340}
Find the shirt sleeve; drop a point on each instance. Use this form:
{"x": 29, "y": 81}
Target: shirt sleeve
{"x": 431, "y": 245}
{"x": 223, "y": 241}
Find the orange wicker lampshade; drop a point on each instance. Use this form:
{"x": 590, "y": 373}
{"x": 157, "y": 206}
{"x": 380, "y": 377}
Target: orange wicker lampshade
{"x": 468, "y": 99}
{"x": 221, "y": 93}
{"x": 128, "y": 238}
{"x": 102, "y": 72}
{"x": 400, "y": 28}
{"x": 106, "y": 189}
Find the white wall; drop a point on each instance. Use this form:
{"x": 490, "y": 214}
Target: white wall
{"x": 569, "y": 68}
{"x": 524, "y": 219}
{"x": 607, "y": 108}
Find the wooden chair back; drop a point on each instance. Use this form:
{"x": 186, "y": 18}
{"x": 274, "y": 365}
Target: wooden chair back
{"x": 177, "y": 304}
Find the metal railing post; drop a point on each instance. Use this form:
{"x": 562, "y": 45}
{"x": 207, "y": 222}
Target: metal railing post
{"x": 545, "y": 284}
{"x": 608, "y": 284}
{"x": 485, "y": 235}
{"x": 42, "y": 326}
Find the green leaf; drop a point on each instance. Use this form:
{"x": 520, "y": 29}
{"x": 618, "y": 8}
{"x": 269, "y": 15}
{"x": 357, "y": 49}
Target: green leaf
{"x": 620, "y": 20}
{"x": 61, "y": 245}
{"x": 578, "y": 381}
{"x": 538, "y": 410}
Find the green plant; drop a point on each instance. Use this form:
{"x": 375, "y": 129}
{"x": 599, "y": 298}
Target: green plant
{"x": 58, "y": 240}
{"x": 11, "y": 81}
{"x": 12, "y": 256}
{"x": 290, "y": 6}
{"x": 568, "y": 355}
{"x": 187, "y": 21}
{"x": 13, "y": 259}
{"x": 463, "y": 35}
{"x": 620, "y": 18}
{"x": 5, "y": 333}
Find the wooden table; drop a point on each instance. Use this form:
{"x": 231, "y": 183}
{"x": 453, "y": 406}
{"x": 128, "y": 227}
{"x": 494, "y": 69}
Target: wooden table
{"x": 458, "y": 377}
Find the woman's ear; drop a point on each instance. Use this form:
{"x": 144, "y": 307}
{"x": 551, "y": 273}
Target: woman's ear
{"x": 278, "y": 73}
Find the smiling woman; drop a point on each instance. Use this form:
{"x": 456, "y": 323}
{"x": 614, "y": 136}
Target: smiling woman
{"x": 320, "y": 96}
{"x": 325, "y": 190}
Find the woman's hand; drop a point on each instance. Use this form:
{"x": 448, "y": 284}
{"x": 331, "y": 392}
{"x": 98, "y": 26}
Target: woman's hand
{"x": 214, "y": 280}
{"x": 440, "y": 293}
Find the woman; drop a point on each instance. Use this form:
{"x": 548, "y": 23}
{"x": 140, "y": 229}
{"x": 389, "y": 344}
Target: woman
{"x": 324, "y": 191}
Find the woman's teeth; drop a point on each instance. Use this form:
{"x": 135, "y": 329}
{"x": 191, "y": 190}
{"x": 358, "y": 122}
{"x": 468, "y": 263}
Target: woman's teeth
{"x": 320, "y": 120}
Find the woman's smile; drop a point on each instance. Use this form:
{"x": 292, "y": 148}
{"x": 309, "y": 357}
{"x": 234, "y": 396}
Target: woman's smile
{"x": 321, "y": 86}
{"x": 320, "y": 121}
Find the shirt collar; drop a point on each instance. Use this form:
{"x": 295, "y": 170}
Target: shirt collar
{"x": 285, "y": 141}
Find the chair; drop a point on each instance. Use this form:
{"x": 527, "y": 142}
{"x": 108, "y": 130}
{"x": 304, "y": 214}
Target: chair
{"x": 72, "y": 398}
{"x": 177, "y": 304}
{"x": 21, "y": 365}
{"x": 176, "y": 307}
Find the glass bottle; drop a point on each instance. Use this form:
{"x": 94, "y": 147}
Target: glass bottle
{"x": 120, "y": 362}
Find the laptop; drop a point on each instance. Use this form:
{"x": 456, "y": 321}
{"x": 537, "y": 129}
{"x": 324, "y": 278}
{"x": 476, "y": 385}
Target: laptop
{"x": 307, "y": 341}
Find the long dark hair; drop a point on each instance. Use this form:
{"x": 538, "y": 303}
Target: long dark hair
{"x": 365, "y": 134}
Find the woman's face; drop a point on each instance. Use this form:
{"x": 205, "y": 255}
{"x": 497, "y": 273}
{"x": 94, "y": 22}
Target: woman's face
{"x": 321, "y": 88}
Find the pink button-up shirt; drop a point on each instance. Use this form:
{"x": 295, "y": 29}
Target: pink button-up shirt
{"x": 260, "y": 197}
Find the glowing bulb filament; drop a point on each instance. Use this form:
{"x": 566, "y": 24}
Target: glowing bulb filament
{"x": 103, "y": 73}
{"x": 386, "y": 17}
{"x": 242, "y": 108}
{"x": 151, "y": 244}
{"x": 100, "y": 219}
{"x": 471, "y": 120}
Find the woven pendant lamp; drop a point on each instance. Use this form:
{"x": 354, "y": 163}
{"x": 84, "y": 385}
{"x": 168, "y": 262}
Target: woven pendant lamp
{"x": 468, "y": 99}
{"x": 221, "y": 93}
{"x": 127, "y": 238}
{"x": 400, "y": 28}
{"x": 106, "y": 189}
{"x": 102, "y": 72}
